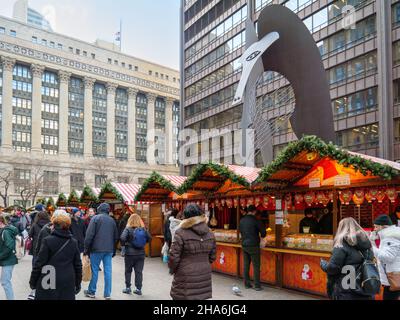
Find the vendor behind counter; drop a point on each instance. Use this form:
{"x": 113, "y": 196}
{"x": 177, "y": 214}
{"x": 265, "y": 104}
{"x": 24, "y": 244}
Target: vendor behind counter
{"x": 309, "y": 224}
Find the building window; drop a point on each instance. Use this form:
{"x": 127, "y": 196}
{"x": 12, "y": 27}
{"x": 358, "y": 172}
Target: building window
{"x": 116, "y": 62}
{"x": 136, "y": 68}
{"x": 123, "y": 179}
{"x": 100, "y": 180}
{"x": 130, "y": 67}
{"x": 50, "y": 182}
{"x": 52, "y": 44}
{"x": 59, "y": 46}
{"x": 123, "y": 64}
{"x": 71, "y": 49}
{"x": 150, "y": 72}
{"x": 156, "y": 74}
{"x": 13, "y": 33}
{"x": 2, "y": 30}
{"x": 44, "y": 42}
{"x": 78, "y": 51}
{"x": 93, "y": 56}
{"x": 109, "y": 60}
{"x": 359, "y": 139}
{"x": 77, "y": 181}
{"x": 22, "y": 179}
{"x": 34, "y": 39}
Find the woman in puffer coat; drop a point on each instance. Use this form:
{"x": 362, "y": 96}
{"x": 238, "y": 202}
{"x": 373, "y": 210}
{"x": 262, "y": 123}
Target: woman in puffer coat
{"x": 59, "y": 251}
{"x": 351, "y": 247}
{"x": 192, "y": 253}
{"x": 388, "y": 253}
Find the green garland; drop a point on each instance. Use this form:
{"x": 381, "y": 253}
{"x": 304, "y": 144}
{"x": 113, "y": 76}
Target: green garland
{"x": 220, "y": 170}
{"x": 50, "y": 202}
{"x": 87, "y": 193}
{"x": 108, "y": 187}
{"x": 315, "y": 144}
{"x": 73, "y": 197}
{"x": 155, "y": 178}
{"x": 61, "y": 199}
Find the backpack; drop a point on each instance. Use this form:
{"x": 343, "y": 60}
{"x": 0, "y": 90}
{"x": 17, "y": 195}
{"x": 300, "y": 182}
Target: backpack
{"x": 139, "y": 239}
{"x": 368, "y": 281}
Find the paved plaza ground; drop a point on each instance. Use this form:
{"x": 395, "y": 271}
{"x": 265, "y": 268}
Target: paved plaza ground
{"x": 156, "y": 284}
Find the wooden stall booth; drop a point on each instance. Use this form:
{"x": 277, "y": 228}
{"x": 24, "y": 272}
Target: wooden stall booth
{"x": 74, "y": 198}
{"x": 218, "y": 189}
{"x": 151, "y": 199}
{"x": 88, "y": 197}
{"x": 328, "y": 184}
{"x": 62, "y": 200}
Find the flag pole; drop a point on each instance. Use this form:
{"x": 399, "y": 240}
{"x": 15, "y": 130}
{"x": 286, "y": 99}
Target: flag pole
{"x": 120, "y": 34}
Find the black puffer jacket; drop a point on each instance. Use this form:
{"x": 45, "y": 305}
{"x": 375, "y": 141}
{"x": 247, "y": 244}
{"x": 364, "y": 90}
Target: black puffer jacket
{"x": 67, "y": 264}
{"x": 34, "y": 234}
{"x": 251, "y": 229}
{"x": 126, "y": 239}
{"x": 78, "y": 231}
{"x": 347, "y": 256}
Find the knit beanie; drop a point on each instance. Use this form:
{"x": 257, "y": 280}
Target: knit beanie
{"x": 383, "y": 220}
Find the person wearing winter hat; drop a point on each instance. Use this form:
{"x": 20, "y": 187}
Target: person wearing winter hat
{"x": 100, "y": 244}
{"x": 78, "y": 228}
{"x": 192, "y": 253}
{"x": 59, "y": 250}
{"x": 388, "y": 253}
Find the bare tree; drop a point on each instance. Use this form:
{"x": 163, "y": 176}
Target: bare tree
{"x": 101, "y": 166}
{"x": 36, "y": 184}
{"x": 6, "y": 177}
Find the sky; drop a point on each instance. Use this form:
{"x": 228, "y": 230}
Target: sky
{"x": 150, "y": 28}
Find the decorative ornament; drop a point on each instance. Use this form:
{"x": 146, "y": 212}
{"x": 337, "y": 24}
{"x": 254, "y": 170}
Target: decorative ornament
{"x": 250, "y": 201}
{"x": 235, "y": 203}
{"x": 298, "y": 198}
{"x": 368, "y": 196}
{"x": 380, "y": 196}
{"x": 266, "y": 200}
{"x": 373, "y": 192}
{"x": 391, "y": 194}
{"x": 257, "y": 201}
{"x": 242, "y": 202}
{"x": 223, "y": 202}
{"x": 309, "y": 198}
{"x": 359, "y": 197}
{"x": 345, "y": 196}
{"x": 330, "y": 196}
{"x": 229, "y": 203}
{"x": 321, "y": 197}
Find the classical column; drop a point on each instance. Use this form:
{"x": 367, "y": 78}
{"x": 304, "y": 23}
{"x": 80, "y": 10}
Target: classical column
{"x": 88, "y": 117}
{"x": 63, "y": 77}
{"x": 169, "y": 131}
{"x": 37, "y": 72}
{"x": 7, "y": 113}
{"x": 111, "y": 88}
{"x": 151, "y": 100}
{"x": 132, "y": 94}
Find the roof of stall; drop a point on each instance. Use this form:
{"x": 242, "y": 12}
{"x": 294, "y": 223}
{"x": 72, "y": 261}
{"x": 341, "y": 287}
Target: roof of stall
{"x": 89, "y": 194}
{"x": 119, "y": 192}
{"x": 158, "y": 187}
{"x": 74, "y": 197}
{"x": 62, "y": 199}
{"x": 210, "y": 178}
{"x": 311, "y": 158}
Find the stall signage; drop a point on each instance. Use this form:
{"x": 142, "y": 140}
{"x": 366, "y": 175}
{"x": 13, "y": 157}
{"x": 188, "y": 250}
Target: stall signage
{"x": 278, "y": 204}
{"x": 146, "y": 207}
{"x": 279, "y": 218}
{"x": 342, "y": 180}
{"x": 314, "y": 183}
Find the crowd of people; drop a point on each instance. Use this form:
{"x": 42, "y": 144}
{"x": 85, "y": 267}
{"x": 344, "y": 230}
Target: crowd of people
{"x": 59, "y": 240}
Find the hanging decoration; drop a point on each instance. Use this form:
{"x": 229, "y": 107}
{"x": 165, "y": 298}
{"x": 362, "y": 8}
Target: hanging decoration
{"x": 223, "y": 202}
{"x": 235, "y": 202}
{"x": 368, "y": 196}
{"x": 391, "y": 194}
{"x": 298, "y": 198}
{"x": 380, "y": 196}
{"x": 242, "y": 202}
{"x": 250, "y": 201}
{"x": 266, "y": 200}
{"x": 373, "y": 192}
{"x": 229, "y": 203}
{"x": 320, "y": 197}
{"x": 309, "y": 198}
{"x": 288, "y": 201}
{"x": 345, "y": 196}
{"x": 330, "y": 196}
{"x": 257, "y": 201}
{"x": 359, "y": 197}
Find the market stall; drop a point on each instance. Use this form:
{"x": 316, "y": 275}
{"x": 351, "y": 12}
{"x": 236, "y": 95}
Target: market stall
{"x": 151, "y": 206}
{"x": 327, "y": 184}
{"x": 88, "y": 197}
{"x": 62, "y": 200}
{"x": 120, "y": 196}
{"x": 74, "y": 198}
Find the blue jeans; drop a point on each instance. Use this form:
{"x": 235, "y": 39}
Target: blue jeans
{"x": 6, "y": 275}
{"x": 95, "y": 259}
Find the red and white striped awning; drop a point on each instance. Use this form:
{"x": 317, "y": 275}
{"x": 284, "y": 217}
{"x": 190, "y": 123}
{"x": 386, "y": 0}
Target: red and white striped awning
{"x": 96, "y": 191}
{"x": 128, "y": 191}
{"x": 249, "y": 173}
{"x": 177, "y": 181}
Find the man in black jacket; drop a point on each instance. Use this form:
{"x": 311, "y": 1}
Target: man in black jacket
{"x": 78, "y": 228}
{"x": 250, "y": 230}
{"x": 100, "y": 243}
